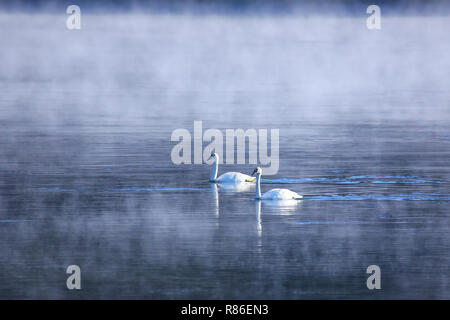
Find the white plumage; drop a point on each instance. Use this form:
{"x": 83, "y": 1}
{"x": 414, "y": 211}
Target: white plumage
{"x": 274, "y": 194}
{"x": 280, "y": 194}
{"x": 234, "y": 177}
{"x": 229, "y": 177}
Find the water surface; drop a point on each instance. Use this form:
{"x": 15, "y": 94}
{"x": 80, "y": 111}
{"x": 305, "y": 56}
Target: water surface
{"x": 86, "y": 176}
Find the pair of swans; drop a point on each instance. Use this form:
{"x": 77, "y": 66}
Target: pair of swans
{"x": 238, "y": 178}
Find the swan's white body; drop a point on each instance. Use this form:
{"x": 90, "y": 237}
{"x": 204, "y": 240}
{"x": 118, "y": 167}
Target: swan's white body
{"x": 280, "y": 194}
{"x": 234, "y": 177}
{"x": 229, "y": 177}
{"x": 274, "y": 194}
{"x": 235, "y": 187}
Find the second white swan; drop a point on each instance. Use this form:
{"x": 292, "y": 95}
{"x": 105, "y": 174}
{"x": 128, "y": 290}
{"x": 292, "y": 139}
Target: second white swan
{"x": 274, "y": 194}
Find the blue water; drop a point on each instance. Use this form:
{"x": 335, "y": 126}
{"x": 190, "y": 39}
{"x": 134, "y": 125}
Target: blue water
{"x": 86, "y": 176}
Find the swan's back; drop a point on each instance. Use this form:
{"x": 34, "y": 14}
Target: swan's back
{"x": 280, "y": 194}
{"x": 234, "y": 177}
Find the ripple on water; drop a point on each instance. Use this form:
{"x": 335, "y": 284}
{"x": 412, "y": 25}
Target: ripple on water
{"x": 394, "y": 197}
{"x": 353, "y": 180}
{"x": 138, "y": 189}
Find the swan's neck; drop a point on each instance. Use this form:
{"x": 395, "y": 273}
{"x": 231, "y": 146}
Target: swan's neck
{"x": 258, "y": 186}
{"x": 214, "y": 170}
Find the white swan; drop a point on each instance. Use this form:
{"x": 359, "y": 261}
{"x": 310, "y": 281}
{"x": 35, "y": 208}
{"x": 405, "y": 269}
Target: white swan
{"x": 229, "y": 177}
{"x": 274, "y": 194}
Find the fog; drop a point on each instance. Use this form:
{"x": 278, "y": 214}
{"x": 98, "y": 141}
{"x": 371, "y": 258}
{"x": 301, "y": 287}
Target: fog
{"x": 296, "y": 64}
{"x": 86, "y": 177}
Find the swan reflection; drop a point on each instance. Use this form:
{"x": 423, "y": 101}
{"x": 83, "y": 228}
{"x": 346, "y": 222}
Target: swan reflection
{"x": 215, "y": 196}
{"x": 239, "y": 187}
{"x": 227, "y": 187}
{"x": 258, "y": 224}
{"x": 283, "y": 207}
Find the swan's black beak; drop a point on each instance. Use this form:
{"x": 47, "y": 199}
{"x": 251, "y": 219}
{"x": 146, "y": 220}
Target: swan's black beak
{"x": 254, "y": 171}
{"x": 209, "y": 158}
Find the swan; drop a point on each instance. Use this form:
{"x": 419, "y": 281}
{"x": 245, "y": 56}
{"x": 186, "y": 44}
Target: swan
{"x": 215, "y": 193}
{"x": 274, "y": 194}
{"x": 229, "y": 177}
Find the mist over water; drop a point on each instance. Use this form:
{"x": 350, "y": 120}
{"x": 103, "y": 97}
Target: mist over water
{"x": 86, "y": 176}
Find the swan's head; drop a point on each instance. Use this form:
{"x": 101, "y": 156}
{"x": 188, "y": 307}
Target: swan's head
{"x": 257, "y": 171}
{"x": 214, "y": 156}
